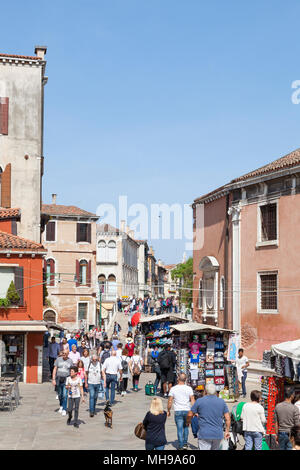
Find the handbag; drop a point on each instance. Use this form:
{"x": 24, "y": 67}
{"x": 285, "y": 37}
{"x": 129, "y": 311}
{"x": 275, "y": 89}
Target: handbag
{"x": 140, "y": 431}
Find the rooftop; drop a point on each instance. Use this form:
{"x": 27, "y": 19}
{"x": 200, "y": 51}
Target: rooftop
{"x": 67, "y": 211}
{"x": 8, "y": 213}
{"x": 14, "y": 242}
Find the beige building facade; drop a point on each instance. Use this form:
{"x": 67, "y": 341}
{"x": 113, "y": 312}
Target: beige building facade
{"x": 70, "y": 265}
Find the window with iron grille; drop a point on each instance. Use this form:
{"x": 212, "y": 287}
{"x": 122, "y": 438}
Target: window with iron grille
{"x": 268, "y": 292}
{"x": 82, "y": 311}
{"x": 268, "y": 222}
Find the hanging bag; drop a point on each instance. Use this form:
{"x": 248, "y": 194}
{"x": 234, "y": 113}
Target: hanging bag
{"x": 140, "y": 431}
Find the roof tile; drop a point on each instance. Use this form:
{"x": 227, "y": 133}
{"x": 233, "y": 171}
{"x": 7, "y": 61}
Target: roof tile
{"x": 58, "y": 209}
{"x": 14, "y": 242}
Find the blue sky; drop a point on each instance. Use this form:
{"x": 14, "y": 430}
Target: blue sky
{"x": 159, "y": 100}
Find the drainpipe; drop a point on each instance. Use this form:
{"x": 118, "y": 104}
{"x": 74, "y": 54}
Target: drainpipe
{"x": 226, "y": 261}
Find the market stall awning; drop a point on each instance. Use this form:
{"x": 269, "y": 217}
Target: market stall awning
{"x": 164, "y": 316}
{"x": 289, "y": 348}
{"x": 23, "y": 326}
{"x": 194, "y": 326}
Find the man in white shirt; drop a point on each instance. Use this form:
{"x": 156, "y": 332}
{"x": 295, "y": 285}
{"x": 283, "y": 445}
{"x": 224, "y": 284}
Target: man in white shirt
{"x": 242, "y": 363}
{"x": 182, "y": 397}
{"x": 111, "y": 367}
{"x": 253, "y": 417}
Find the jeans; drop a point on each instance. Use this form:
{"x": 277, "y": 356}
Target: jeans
{"x": 51, "y": 364}
{"x": 182, "y": 428}
{"x": 93, "y": 390}
{"x": 156, "y": 383}
{"x": 209, "y": 444}
{"x": 111, "y": 380}
{"x": 62, "y": 393}
{"x": 151, "y": 310}
{"x": 284, "y": 441}
{"x": 253, "y": 438}
{"x": 146, "y": 310}
{"x": 244, "y": 377}
{"x": 153, "y": 447}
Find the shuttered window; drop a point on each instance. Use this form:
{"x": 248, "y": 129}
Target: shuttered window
{"x": 50, "y": 272}
{"x": 19, "y": 283}
{"x": 83, "y": 232}
{"x": 50, "y": 231}
{"x": 4, "y": 116}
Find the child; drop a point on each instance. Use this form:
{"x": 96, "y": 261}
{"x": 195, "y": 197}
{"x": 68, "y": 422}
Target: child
{"x": 74, "y": 387}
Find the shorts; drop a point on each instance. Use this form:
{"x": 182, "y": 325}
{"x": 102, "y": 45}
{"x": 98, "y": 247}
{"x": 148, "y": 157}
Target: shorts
{"x": 167, "y": 375}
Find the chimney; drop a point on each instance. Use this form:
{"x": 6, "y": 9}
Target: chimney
{"x": 127, "y": 229}
{"x": 54, "y": 198}
{"x": 40, "y": 51}
{"x": 122, "y": 225}
{"x": 131, "y": 234}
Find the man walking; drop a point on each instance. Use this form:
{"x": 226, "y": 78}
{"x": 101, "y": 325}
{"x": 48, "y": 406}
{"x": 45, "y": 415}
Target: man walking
{"x": 110, "y": 369}
{"x": 53, "y": 353}
{"x": 182, "y": 397}
{"x": 210, "y": 410}
{"x": 287, "y": 416}
{"x": 166, "y": 360}
{"x": 61, "y": 371}
{"x": 93, "y": 382}
{"x": 151, "y": 306}
{"x": 242, "y": 363}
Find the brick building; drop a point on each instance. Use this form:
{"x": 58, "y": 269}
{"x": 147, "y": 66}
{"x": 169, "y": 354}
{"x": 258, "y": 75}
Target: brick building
{"x": 246, "y": 255}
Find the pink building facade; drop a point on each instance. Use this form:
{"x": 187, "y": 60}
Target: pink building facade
{"x": 247, "y": 258}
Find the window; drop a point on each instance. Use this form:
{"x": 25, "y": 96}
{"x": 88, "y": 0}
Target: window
{"x": 82, "y": 311}
{"x": 50, "y": 315}
{"x": 102, "y": 251}
{"x": 83, "y": 267}
{"x": 50, "y": 231}
{"x": 112, "y": 255}
{"x": 9, "y": 274}
{"x": 201, "y": 294}
{"x": 101, "y": 282}
{"x": 50, "y": 272}
{"x": 4, "y": 116}
{"x": 268, "y": 218}
{"x": 222, "y": 293}
{"x": 268, "y": 293}
{"x": 83, "y": 233}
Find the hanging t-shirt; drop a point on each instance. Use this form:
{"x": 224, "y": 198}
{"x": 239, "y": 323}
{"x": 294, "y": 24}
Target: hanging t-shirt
{"x": 194, "y": 357}
{"x": 194, "y": 347}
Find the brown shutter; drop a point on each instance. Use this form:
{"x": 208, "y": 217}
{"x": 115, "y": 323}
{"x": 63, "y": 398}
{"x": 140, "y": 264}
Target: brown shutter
{"x": 50, "y": 232}
{"x": 14, "y": 229}
{"x": 89, "y": 274}
{"x": 52, "y": 272}
{"x": 77, "y": 273}
{"x": 4, "y": 116}
{"x": 78, "y": 233}
{"x": 89, "y": 233}
{"x": 19, "y": 283}
{"x": 6, "y": 186}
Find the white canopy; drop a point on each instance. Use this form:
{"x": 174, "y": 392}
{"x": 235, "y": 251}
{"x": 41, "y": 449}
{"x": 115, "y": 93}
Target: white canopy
{"x": 289, "y": 348}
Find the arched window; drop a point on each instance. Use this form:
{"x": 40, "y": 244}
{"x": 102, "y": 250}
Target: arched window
{"x": 112, "y": 252}
{"x": 222, "y": 293}
{"x": 112, "y": 287}
{"x": 102, "y": 282}
{"x": 83, "y": 268}
{"x": 102, "y": 251}
{"x": 50, "y": 315}
{"x": 50, "y": 272}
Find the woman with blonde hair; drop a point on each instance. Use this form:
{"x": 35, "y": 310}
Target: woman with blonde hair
{"x": 154, "y": 424}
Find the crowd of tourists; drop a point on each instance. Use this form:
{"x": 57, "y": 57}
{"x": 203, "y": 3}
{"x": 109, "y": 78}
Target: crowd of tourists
{"x": 150, "y": 305}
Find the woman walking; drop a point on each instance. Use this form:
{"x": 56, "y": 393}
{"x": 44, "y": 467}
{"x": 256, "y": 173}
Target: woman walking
{"x": 135, "y": 365}
{"x": 75, "y": 390}
{"x": 253, "y": 417}
{"x": 125, "y": 360}
{"x": 154, "y": 424}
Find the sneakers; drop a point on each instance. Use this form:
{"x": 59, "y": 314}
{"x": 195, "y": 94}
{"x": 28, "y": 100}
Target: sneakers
{"x": 63, "y": 413}
{"x": 56, "y": 398}
{"x": 76, "y": 425}
{"x": 91, "y": 415}
{"x": 60, "y": 409}
{"x": 69, "y": 420}
{"x": 185, "y": 446}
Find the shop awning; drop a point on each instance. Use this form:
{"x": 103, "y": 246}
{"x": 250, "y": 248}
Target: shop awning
{"x": 23, "y": 326}
{"x": 164, "y": 316}
{"x": 290, "y": 349}
{"x": 194, "y": 326}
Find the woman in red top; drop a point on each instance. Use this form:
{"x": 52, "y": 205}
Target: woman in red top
{"x": 130, "y": 345}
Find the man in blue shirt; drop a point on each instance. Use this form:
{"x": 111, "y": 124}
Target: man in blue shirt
{"x": 210, "y": 411}
{"x": 72, "y": 341}
{"x": 53, "y": 353}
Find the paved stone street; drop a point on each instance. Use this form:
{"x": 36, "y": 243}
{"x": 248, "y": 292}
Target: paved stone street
{"x": 36, "y": 425}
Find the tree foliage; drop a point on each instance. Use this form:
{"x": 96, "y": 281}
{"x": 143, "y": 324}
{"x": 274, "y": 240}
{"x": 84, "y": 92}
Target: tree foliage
{"x": 184, "y": 273}
{"x": 12, "y": 294}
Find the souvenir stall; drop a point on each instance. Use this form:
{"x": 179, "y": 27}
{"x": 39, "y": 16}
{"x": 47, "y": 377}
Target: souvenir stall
{"x": 282, "y": 364}
{"x": 202, "y": 355}
{"x": 155, "y": 331}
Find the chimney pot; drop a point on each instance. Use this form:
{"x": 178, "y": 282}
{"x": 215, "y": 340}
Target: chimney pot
{"x": 40, "y": 51}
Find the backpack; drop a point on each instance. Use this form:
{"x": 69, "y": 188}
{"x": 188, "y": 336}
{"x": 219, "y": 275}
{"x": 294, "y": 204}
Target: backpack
{"x": 105, "y": 355}
{"x": 164, "y": 360}
{"x": 136, "y": 368}
{"x": 124, "y": 365}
